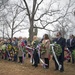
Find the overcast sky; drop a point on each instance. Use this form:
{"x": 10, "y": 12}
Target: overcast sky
{"x": 24, "y": 33}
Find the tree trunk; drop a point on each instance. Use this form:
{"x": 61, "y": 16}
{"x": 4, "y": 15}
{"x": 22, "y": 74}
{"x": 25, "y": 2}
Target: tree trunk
{"x": 35, "y": 31}
{"x": 31, "y": 31}
{"x": 11, "y": 33}
{"x": 3, "y": 31}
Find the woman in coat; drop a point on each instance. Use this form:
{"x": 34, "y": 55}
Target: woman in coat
{"x": 45, "y": 55}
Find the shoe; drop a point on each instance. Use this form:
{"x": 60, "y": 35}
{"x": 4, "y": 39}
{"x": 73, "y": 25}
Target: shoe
{"x": 36, "y": 66}
{"x": 61, "y": 70}
{"x": 33, "y": 65}
{"x": 55, "y": 69}
{"x": 69, "y": 61}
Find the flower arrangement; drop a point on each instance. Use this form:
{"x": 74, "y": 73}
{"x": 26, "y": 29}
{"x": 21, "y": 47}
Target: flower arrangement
{"x": 73, "y": 53}
{"x": 42, "y": 48}
{"x": 15, "y": 49}
{"x": 67, "y": 54}
{"x": 9, "y": 47}
{"x": 57, "y": 49}
{"x": 4, "y": 47}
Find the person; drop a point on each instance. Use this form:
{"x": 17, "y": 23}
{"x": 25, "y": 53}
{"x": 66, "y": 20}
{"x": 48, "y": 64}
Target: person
{"x": 71, "y": 46}
{"x": 3, "y": 47}
{"x": 45, "y": 55}
{"x": 62, "y": 42}
{"x": 25, "y": 44}
{"x": 35, "y": 58}
{"x": 15, "y": 48}
{"x": 25, "y": 41}
{"x": 9, "y": 49}
{"x": 20, "y": 54}
{"x": 20, "y": 51}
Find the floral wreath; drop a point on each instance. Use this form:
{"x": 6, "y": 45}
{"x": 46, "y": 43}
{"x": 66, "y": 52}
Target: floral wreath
{"x": 57, "y": 49}
{"x": 73, "y": 53}
{"x": 67, "y": 54}
{"x": 42, "y": 49}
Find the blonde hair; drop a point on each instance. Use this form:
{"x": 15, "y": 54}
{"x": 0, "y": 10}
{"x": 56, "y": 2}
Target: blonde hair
{"x": 35, "y": 38}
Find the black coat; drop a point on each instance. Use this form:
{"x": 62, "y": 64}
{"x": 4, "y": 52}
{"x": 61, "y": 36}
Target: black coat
{"x": 72, "y": 46}
{"x": 62, "y": 43}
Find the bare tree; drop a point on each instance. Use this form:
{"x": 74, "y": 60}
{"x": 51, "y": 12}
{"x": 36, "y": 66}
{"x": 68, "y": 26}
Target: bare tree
{"x": 62, "y": 22}
{"x": 14, "y": 19}
{"x": 3, "y": 3}
{"x": 46, "y": 16}
{"x": 66, "y": 25}
{"x": 31, "y": 15}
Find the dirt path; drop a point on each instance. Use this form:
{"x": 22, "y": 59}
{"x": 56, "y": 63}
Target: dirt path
{"x": 11, "y": 68}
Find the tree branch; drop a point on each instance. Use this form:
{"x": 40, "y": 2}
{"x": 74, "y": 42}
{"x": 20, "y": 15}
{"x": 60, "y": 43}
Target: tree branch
{"x": 45, "y": 29}
{"x": 27, "y": 8}
{"x": 19, "y": 30}
{"x": 38, "y": 6}
{"x": 19, "y": 23}
{"x": 33, "y": 10}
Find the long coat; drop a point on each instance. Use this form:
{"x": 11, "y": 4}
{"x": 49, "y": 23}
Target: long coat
{"x": 20, "y": 53}
{"x": 47, "y": 46}
{"x": 62, "y": 42}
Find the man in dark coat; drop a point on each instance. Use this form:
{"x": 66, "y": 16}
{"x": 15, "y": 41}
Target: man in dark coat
{"x": 35, "y": 52}
{"x": 62, "y": 42}
{"x": 71, "y": 46}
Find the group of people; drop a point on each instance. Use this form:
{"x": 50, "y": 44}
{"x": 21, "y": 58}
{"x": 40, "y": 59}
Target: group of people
{"x": 15, "y": 50}
{"x": 64, "y": 43}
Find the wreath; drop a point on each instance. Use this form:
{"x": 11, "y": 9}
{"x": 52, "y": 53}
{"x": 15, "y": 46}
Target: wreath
{"x": 9, "y": 47}
{"x": 4, "y": 47}
{"x": 15, "y": 49}
{"x": 67, "y": 54}
{"x": 73, "y": 53}
{"x": 57, "y": 49}
{"x": 42, "y": 49}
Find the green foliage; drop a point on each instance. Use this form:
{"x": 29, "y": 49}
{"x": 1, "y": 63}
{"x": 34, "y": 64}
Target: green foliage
{"x": 57, "y": 49}
{"x": 9, "y": 47}
{"x": 43, "y": 49}
{"x": 3, "y": 47}
{"x": 35, "y": 43}
{"x": 73, "y": 53}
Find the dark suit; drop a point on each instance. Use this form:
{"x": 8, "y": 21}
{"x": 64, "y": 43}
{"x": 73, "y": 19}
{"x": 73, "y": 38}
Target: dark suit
{"x": 62, "y": 42}
{"x": 71, "y": 47}
{"x": 35, "y": 54}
